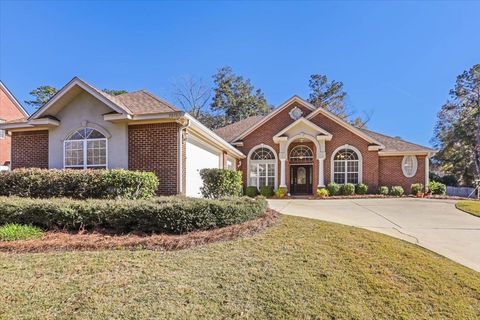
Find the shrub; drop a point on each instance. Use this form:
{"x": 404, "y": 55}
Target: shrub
{"x": 383, "y": 190}
{"x": 161, "y": 215}
{"x": 348, "y": 189}
{"x": 281, "y": 192}
{"x": 437, "y": 188}
{"x": 333, "y": 189}
{"x": 416, "y": 188}
{"x": 396, "y": 191}
{"x": 219, "y": 183}
{"x": 12, "y": 232}
{"x": 322, "y": 192}
{"x": 78, "y": 184}
{"x": 361, "y": 188}
{"x": 251, "y": 191}
{"x": 266, "y": 191}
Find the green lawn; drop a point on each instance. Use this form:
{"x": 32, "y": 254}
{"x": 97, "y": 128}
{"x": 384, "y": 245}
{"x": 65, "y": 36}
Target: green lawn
{"x": 472, "y": 207}
{"x": 298, "y": 269}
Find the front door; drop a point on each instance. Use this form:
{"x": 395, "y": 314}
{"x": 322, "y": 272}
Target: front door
{"x": 301, "y": 179}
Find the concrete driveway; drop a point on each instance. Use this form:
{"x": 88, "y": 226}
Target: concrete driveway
{"x": 433, "y": 224}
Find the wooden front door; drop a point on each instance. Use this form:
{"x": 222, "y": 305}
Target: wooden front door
{"x": 301, "y": 179}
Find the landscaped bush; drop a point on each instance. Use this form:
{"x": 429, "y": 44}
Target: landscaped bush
{"x": 160, "y": 215}
{"x": 322, "y": 192}
{"x": 219, "y": 183}
{"x": 12, "y": 232}
{"x": 251, "y": 191}
{"x": 78, "y": 184}
{"x": 281, "y": 192}
{"x": 333, "y": 189}
{"x": 416, "y": 188}
{"x": 361, "y": 188}
{"x": 266, "y": 191}
{"x": 396, "y": 191}
{"x": 437, "y": 188}
{"x": 348, "y": 189}
{"x": 383, "y": 190}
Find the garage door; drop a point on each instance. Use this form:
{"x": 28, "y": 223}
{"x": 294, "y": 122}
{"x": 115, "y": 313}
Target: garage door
{"x": 199, "y": 156}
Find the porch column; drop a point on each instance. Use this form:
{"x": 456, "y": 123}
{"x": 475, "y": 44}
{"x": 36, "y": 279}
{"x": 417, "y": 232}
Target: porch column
{"x": 282, "y": 173}
{"x": 321, "y": 182}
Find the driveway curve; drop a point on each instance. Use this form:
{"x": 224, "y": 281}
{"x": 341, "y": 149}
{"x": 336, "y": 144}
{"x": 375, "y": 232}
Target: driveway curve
{"x": 433, "y": 224}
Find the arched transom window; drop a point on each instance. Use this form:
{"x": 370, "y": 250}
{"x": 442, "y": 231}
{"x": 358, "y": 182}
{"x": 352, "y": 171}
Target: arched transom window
{"x": 301, "y": 154}
{"x": 85, "y": 148}
{"x": 262, "y": 167}
{"x": 346, "y": 166}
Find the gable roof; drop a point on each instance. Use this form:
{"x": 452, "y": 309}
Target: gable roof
{"x": 390, "y": 144}
{"x": 13, "y": 99}
{"x": 287, "y": 103}
{"x": 143, "y": 102}
{"x": 231, "y": 131}
{"x": 308, "y": 123}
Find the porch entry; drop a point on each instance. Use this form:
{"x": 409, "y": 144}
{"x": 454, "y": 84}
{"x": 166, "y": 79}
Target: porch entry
{"x": 301, "y": 179}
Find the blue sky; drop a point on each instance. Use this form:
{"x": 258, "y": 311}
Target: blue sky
{"x": 397, "y": 60}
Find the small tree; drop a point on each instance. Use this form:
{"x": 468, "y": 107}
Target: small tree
{"x": 41, "y": 94}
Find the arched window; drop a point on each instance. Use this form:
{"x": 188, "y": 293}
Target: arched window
{"x": 85, "y": 148}
{"x": 262, "y": 167}
{"x": 301, "y": 154}
{"x": 347, "y": 166}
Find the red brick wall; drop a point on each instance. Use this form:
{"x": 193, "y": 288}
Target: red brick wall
{"x": 154, "y": 147}
{"x": 391, "y": 173}
{"x": 8, "y": 111}
{"x": 342, "y": 136}
{"x": 30, "y": 149}
{"x": 264, "y": 134}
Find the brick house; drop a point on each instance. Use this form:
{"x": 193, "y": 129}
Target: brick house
{"x": 10, "y": 110}
{"x": 296, "y": 146}
{"x": 301, "y": 147}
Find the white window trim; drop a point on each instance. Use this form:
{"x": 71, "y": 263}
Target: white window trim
{"x": 304, "y": 146}
{"x": 84, "y": 141}
{"x": 250, "y": 162}
{"x": 360, "y": 162}
{"x": 3, "y": 132}
{"x": 415, "y": 166}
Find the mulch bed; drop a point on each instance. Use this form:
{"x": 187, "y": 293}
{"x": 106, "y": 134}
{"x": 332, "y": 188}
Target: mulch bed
{"x": 84, "y": 241}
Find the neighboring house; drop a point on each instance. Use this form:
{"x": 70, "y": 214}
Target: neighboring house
{"x": 82, "y": 127}
{"x": 10, "y": 110}
{"x": 296, "y": 146}
{"x": 301, "y": 147}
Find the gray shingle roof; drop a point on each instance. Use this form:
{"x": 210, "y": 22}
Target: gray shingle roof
{"x": 230, "y": 132}
{"x": 144, "y": 102}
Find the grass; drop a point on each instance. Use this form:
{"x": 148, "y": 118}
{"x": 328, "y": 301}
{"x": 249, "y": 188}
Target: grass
{"x": 299, "y": 269}
{"x": 12, "y": 232}
{"x": 472, "y": 207}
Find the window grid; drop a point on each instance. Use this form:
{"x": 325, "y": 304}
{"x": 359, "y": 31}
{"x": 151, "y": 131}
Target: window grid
{"x": 346, "y": 167}
{"x": 262, "y": 170}
{"x": 85, "y": 148}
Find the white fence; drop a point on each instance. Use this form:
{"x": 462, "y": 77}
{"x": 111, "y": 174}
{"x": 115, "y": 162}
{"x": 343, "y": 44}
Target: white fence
{"x": 461, "y": 192}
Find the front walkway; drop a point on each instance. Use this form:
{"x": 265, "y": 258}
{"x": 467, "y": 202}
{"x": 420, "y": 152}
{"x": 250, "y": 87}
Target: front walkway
{"x": 433, "y": 224}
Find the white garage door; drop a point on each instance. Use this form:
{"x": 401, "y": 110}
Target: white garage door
{"x": 199, "y": 156}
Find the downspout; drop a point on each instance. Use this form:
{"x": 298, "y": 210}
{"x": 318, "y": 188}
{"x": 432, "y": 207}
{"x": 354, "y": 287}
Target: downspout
{"x": 184, "y": 123}
{"x": 427, "y": 171}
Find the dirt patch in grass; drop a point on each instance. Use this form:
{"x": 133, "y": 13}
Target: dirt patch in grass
{"x": 64, "y": 241}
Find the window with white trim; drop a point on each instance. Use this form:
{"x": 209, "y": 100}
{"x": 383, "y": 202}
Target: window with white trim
{"x": 263, "y": 165}
{"x": 85, "y": 149}
{"x": 346, "y": 167}
{"x": 301, "y": 154}
{"x": 409, "y": 166}
{"x": 2, "y": 132}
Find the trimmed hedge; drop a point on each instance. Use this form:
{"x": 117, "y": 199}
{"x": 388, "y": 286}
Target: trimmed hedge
{"x": 347, "y": 189}
{"x": 251, "y": 191}
{"x": 266, "y": 191}
{"x": 219, "y": 183}
{"x": 333, "y": 189}
{"x": 383, "y": 190}
{"x": 416, "y": 188}
{"x": 160, "y": 215}
{"x": 361, "y": 188}
{"x": 437, "y": 188}
{"x": 396, "y": 191}
{"x": 78, "y": 184}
